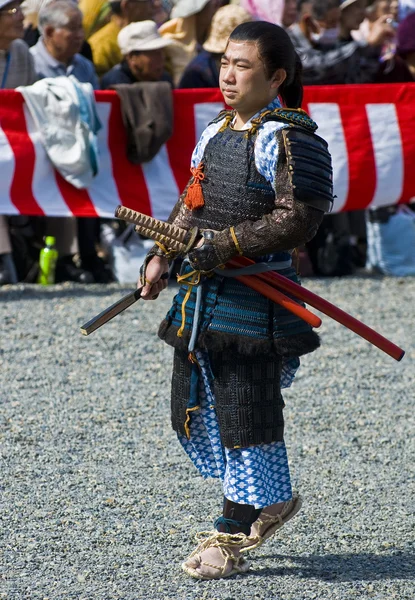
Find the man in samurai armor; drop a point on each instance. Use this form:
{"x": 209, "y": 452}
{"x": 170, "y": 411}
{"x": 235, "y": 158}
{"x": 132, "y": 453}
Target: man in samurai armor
{"x": 261, "y": 183}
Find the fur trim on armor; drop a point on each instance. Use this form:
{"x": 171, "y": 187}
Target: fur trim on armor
{"x": 287, "y": 347}
{"x": 292, "y": 116}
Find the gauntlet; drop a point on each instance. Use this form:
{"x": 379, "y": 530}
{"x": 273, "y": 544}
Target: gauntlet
{"x": 217, "y": 248}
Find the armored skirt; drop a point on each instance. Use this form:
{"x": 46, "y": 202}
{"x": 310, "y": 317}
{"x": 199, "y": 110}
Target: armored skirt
{"x": 248, "y": 339}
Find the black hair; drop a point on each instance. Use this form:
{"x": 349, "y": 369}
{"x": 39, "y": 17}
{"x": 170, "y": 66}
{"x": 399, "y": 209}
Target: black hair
{"x": 116, "y": 7}
{"x": 276, "y": 51}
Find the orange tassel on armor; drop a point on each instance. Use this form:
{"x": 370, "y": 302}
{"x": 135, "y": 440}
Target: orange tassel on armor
{"x": 194, "y": 197}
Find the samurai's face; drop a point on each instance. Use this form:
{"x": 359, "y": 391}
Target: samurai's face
{"x": 243, "y": 80}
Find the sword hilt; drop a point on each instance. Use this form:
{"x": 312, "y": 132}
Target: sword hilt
{"x": 151, "y": 224}
{"x": 172, "y": 237}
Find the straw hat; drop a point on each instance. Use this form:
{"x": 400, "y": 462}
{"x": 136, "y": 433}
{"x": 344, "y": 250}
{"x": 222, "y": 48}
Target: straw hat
{"x": 223, "y": 23}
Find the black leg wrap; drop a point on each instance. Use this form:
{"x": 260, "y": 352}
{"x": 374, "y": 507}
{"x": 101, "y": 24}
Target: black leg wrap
{"x": 237, "y": 518}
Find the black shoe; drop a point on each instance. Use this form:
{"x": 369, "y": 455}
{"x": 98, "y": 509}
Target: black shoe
{"x": 5, "y": 277}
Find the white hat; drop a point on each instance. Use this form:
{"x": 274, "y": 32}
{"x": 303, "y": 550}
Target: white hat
{"x": 345, "y": 3}
{"x": 5, "y": 3}
{"x": 30, "y": 7}
{"x": 186, "y": 8}
{"x": 140, "y": 36}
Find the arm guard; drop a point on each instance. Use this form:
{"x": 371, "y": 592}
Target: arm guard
{"x": 179, "y": 216}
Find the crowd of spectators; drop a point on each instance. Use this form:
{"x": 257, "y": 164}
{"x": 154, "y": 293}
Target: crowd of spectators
{"x": 111, "y": 42}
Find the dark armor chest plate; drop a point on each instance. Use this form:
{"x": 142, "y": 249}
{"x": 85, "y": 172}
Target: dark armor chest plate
{"x": 234, "y": 191}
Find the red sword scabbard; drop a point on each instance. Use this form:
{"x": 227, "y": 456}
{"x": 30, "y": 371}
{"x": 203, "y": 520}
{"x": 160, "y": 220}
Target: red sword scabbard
{"x": 329, "y": 309}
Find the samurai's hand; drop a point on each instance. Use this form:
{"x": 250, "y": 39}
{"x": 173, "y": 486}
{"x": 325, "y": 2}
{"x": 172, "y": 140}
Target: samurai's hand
{"x": 155, "y": 278}
{"x": 212, "y": 250}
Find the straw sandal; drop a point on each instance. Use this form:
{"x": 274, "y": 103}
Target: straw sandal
{"x": 224, "y": 542}
{"x": 266, "y": 525}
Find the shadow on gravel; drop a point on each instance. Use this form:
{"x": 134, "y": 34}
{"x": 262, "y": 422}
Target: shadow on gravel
{"x": 344, "y": 567}
{"x": 36, "y": 293}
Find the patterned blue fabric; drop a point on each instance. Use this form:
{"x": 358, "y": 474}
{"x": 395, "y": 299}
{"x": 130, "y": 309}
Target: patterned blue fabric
{"x": 229, "y": 306}
{"x": 266, "y": 145}
{"x": 258, "y": 475}
{"x": 89, "y": 115}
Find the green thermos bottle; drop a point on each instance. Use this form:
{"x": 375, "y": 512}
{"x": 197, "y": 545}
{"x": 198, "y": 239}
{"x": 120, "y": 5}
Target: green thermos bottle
{"x": 47, "y": 262}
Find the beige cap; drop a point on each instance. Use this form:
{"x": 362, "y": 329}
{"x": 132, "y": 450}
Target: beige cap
{"x": 141, "y": 36}
{"x": 185, "y": 8}
{"x": 223, "y": 23}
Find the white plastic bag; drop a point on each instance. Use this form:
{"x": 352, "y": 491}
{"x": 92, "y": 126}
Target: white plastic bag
{"x": 391, "y": 245}
{"x": 127, "y": 253}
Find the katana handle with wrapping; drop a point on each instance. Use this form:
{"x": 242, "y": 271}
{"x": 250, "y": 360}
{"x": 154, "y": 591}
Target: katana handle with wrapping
{"x": 170, "y": 231}
{"x": 172, "y": 237}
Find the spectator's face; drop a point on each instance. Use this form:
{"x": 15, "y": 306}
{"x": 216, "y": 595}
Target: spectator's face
{"x": 322, "y": 30}
{"x": 305, "y": 9}
{"x": 11, "y": 23}
{"x": 382, "y": 8}
{"x": 353, "y": 15}
{"x": 289, "y": 16}
{"x": 147, "y": 66}
{"x": 243, "y": 80}
{"x": 394, "y": 9}
{"x": 331, "y": 19}
{"x": 66, "y": 41}
{"x": 138, "y": 10}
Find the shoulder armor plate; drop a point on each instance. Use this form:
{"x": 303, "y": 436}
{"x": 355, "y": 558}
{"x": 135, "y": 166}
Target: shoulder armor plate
{"x": 309, "y": 168}
{"x": 293, "y": 117}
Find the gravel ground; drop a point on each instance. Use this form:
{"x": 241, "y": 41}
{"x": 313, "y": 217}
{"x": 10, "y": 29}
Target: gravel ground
{"x": 99, "y": 502}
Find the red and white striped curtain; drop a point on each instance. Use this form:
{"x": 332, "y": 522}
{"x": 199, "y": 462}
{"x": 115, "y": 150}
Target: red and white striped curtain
{"x": 370, "y": 130}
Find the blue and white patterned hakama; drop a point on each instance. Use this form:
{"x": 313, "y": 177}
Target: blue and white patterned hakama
{"x": 257, "y": 475}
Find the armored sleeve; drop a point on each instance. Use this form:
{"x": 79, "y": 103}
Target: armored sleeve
{"x": 180, "y": 216}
